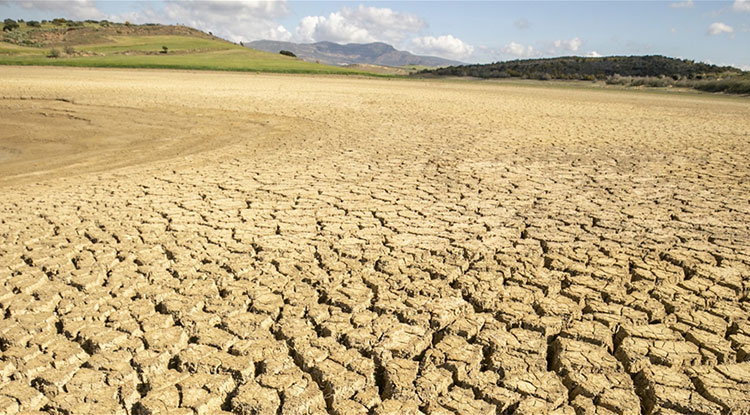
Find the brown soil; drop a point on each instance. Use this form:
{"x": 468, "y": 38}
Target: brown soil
{"x": 190, "y": 243}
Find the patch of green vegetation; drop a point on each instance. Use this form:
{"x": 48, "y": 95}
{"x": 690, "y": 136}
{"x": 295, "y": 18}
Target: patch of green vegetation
{"x": 732, "y": 84}
{"x": 417, "y": 68}
{"x": 228, "y": 60}
{"x": 155, "y": 44}
{"x": 11, "y": 49}
{"x": 728, "y": 86}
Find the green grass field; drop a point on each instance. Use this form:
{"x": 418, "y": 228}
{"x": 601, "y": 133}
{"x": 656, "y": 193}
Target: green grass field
{"x": 222, "y": 60}
{"x": 144, "y": 51}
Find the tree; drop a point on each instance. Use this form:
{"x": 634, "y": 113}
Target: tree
{"x": 287, "y": 53}
{"x": 33, "y": 23}
{"x": 164, "y": 49}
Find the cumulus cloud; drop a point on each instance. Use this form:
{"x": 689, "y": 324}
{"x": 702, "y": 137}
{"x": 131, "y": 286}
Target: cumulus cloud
{"x": 359, "y": 25}
{"x": 571, "y": 45}
{"x": 558, "y": 47}
{"x": 233, "y": 20}
{"x": 741, "y": 5}
{"x": 520, "y": 51}
{"x": 445, "y": 46}
{"x": 687, "y": 4}
{"x": 718, "y": 28}
{"x": 522, "y": 24}
{"x": 72, "y": 9}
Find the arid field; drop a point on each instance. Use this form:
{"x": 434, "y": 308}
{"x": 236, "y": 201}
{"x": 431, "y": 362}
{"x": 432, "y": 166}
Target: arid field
{"x": 206, "y": 243}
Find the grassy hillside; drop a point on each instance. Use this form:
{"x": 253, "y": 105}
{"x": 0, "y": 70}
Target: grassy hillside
{"x": 105, "y": 44}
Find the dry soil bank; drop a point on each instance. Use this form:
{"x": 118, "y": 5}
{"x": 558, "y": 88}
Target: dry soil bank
{"x": 301, "y": 245}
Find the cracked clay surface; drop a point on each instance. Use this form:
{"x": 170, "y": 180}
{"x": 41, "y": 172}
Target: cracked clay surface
{"x": 210, "y": 243}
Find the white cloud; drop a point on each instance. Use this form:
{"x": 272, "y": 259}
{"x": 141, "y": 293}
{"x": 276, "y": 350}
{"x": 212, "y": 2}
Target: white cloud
{"x": 519, "y": 50}
{"x": 571, "y": 45}
{"x": 741, "y": 5}
{"x": 72, "y": 9}
{"x": 687, "y": 4}
{"x": 445, "y": 46}
{"x": 234, "y": 20}
{"x": 360, "y": 25}
{"x": 718, "y": 28}
{"x": 553, "y": 48}
{"x": 334, "y": 28}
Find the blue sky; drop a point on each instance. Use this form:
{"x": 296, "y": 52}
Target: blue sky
{"x": 710, "y": 31}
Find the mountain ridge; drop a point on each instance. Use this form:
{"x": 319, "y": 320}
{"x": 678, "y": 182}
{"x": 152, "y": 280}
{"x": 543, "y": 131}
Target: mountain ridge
{"x": 376, "y": 53}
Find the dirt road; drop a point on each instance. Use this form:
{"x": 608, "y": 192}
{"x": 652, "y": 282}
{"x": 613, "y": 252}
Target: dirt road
{"x": 307, "y": 245}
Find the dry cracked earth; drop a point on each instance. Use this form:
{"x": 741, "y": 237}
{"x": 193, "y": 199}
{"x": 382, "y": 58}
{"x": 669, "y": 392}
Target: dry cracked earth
{"x": 208, "y": 243}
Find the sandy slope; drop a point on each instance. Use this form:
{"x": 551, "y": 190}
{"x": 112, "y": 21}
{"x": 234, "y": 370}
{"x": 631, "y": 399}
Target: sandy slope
{"x": 288, "y": 244}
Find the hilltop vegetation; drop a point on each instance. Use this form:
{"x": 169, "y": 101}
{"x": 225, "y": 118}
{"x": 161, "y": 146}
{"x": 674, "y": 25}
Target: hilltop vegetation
{"x": 652, "y": 71}
{"x": 92, "y": 43}
{"x": 576, "y": 67}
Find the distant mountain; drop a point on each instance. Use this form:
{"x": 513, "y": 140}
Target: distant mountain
{"x": 577, "y": 67}
{"x": 352, "y": 53}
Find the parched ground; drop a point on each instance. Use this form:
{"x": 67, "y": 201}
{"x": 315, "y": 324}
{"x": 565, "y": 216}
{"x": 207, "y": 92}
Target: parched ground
{"x": 260, "y": 244}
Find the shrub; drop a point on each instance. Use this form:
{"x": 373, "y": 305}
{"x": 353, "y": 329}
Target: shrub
{"x": 69, "y": 50}
{"x": 59, "y": 21}
{"x": 164, "y": 49}
{"x": 127, "y": 23}
{"x": 33, "y": 23}
{"x": 729, "y": 86}
{"x": 54, "y": 53}
{"x": 9, "y": 25}
{"x": 616, "y": 79}
{"x": 287, "y": 53}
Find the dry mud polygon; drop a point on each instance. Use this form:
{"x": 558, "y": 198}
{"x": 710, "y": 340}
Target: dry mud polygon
{"x": 205, "y": 243}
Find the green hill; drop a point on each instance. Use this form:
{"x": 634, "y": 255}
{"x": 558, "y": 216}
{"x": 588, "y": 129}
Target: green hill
{"x": 633, "y": 71}
{"x": 576, "y": 67}
{"x": 105, "y": 44}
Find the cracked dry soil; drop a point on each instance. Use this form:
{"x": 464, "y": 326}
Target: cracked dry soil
{"x": 208, "y": 243}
